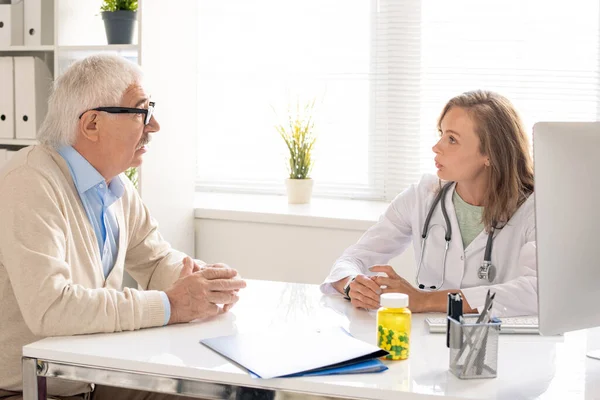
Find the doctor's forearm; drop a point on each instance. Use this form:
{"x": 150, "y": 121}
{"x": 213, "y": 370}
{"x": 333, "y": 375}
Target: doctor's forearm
{"x": 438, "y": 302}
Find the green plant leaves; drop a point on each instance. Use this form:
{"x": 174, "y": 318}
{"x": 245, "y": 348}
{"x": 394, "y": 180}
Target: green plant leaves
{"x": 300, "y": 140}
{"x": 116, "y": 5}
{"x": 132, "y": 175}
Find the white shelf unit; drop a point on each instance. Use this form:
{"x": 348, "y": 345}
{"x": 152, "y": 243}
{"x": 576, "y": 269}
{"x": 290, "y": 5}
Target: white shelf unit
{"x": 128, "y": 48}
{"x": 78, "y": 32}
{"x": 18, "y": 49}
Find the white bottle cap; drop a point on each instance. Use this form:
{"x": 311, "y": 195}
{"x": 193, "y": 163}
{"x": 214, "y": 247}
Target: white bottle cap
{"x": 394, "y": 300}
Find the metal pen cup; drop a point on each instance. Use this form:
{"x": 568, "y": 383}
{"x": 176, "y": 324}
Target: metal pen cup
{"x": 473, "y": 348}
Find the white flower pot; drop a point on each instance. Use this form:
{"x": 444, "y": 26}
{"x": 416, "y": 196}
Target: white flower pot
{"x": 299, "y": 191}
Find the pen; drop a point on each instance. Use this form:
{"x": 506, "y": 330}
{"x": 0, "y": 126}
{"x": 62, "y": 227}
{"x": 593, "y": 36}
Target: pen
{"x": 455, "y": 312}
{"x": 488, "y": 299}
{"x": 476, "y": 354}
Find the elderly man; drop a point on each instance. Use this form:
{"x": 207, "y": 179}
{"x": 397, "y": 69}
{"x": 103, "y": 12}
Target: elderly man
{"x": 71, "y": 225}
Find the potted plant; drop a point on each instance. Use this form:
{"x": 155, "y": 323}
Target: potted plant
{"x": 300, "y": 140}
{"x": 119, "y": 18}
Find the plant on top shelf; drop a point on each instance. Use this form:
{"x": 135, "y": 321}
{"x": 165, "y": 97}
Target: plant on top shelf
{"x": 299, "y": 139}
{"x": 119, "y": 20}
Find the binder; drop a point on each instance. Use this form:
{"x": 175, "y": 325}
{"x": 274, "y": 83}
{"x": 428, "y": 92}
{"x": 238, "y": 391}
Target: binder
{"x": 38, "y": 22}
{"x": 7, "y": 98}
{"x": 11, "y": 24}
{"x": 33, "y": 82}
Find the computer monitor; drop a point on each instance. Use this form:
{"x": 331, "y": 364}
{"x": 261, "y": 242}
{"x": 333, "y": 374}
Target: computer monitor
{"x": 567, "y": 208}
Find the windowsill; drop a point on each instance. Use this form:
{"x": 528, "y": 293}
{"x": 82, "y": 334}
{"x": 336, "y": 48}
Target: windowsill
{"x": 272, "y": 209}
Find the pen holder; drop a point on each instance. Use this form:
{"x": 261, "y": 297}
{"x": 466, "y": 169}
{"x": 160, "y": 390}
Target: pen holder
{"x": 473, "y": 348}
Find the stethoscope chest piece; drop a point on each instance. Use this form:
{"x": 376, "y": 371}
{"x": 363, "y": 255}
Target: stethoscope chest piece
{"x": 487, "y": 271}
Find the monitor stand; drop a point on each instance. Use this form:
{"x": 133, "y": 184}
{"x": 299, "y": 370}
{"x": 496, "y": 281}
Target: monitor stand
{"x": 594, "y": 354}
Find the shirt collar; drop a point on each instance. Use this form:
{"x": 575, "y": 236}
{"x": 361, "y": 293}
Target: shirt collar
{"x": 85, "y": 175}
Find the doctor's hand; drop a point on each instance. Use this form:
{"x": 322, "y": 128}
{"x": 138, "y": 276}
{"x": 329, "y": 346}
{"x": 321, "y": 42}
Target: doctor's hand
{"x": 196, "y": 295}
{"x": 364, "y": 293}
{"x": 394, "y": 283}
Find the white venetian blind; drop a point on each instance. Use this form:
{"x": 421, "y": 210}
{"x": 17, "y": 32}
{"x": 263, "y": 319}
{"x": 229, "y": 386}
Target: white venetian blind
{"x": 542, "y": 55}
{"x": 381, "y": 72}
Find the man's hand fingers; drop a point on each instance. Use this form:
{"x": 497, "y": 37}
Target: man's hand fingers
{"x": 218, "y": 273}
{"x": 187, "y": 267}
{"x": 227, "y": 307}
{"x": 217, "y": 265}
{"x": 226, "y": 284}
{"x": 367, "y": 283}
{"x": 209, "y": 310}
{"x": 222, "y": 297}
{"x": 387, "y": 269}
{"x": 196, "y": 268}
{"x": 216, "y": 310}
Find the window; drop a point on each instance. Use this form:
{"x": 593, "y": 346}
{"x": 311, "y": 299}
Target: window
{"x": 380, "y": 72}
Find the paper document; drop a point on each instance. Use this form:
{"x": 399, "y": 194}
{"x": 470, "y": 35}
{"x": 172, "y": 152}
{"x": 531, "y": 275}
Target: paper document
{"x": 286, "y": 352}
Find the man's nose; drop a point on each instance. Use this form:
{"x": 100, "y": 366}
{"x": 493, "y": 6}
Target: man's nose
{"x": 153, "y": 125}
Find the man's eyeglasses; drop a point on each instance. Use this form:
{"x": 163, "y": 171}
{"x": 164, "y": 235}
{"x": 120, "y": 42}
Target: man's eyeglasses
{"x": 126, "y": 110}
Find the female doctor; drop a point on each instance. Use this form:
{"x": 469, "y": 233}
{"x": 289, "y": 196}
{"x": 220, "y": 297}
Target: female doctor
{"x": 472, "y": 227}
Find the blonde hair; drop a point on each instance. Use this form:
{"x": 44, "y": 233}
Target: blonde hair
{"x": 96, "y": 81}
{"x": 504, "y": 141}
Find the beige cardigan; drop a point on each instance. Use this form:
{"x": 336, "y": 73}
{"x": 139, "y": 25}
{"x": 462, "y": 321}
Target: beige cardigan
{"x": 51, "y": 277}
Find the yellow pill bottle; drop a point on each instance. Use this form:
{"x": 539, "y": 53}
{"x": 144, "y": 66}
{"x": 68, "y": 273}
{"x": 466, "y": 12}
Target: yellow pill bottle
{"x": 393, "y": 325}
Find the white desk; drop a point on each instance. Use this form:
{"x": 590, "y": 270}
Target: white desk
{"x": 171, "y": 360}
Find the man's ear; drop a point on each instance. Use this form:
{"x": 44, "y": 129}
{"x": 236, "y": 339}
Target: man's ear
{"x": 89, "y": 126}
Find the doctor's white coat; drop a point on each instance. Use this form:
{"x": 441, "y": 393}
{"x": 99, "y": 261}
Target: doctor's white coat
{"x": 513, "y": 251}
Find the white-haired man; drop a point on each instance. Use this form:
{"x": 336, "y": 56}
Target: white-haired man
{"x": 71, "y": 225}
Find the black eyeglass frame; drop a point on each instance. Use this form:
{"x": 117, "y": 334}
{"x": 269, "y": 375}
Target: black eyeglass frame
{"x": 127, "y": 110}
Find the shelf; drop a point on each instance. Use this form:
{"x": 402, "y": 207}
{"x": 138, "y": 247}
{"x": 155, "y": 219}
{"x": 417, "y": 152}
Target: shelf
{"x": 26, "y": 48}
{"x": 18, "y": 142}
{"x": 106, "y": 47}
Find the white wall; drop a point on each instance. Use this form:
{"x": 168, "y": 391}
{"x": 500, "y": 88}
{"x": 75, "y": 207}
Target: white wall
{"x": 289, "y": 253}
{"x": 169, "y": 58}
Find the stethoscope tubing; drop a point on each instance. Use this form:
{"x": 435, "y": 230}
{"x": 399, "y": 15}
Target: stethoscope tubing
{"x": 441, "y": 197}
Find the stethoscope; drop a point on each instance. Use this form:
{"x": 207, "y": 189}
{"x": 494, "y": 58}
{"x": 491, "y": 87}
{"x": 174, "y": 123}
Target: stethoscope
{"x": 486, "y": 271}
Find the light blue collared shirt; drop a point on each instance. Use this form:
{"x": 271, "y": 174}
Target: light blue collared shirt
{"x": 97, "y": 198}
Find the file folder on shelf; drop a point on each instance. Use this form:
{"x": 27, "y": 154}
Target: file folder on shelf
{"x": 7, "y": 98}
{"x": 38, "y": 22}
{"x": 11, "y": 24}
{"x": 33, "y": 82}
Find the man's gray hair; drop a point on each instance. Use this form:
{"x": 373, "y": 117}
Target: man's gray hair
{"x": 96, "y": 81}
